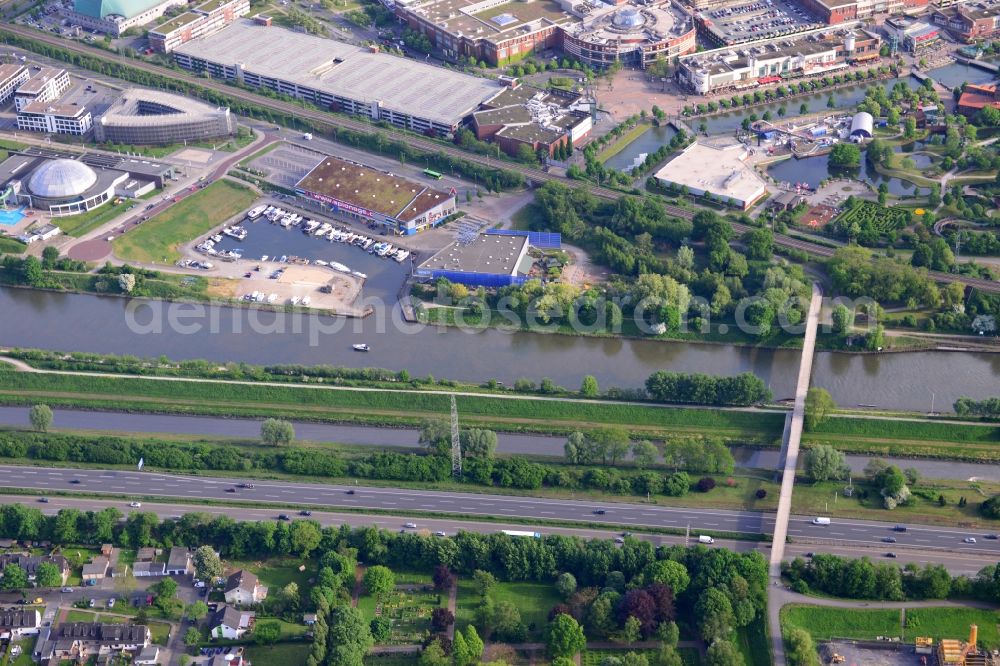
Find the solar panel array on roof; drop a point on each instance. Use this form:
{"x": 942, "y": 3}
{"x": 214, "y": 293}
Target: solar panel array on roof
{"x": 504, "y": 20}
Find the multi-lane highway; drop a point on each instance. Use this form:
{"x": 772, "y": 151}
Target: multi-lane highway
{"x": 330, "y": 120}
{"x": 842, "y": 532}
{"x": 957, "y": 563}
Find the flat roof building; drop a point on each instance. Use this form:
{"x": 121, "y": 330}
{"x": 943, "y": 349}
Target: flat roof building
{"x": 338, "y": 76}
{"x": 732, "y": 69}
{"x": 840, "y": 11}
{"x": 205, "y": 19}
{"x": 45, "y": 85}
{"x": 141, "y": 116}
{"x": 599, "y": 34}
{"x": 72, "y": 119}
{"x": 912, "y": 36}
{"x": 400, "y": 205}
{"x": 717, "y": 170}
{"x": 487, "y": 260}
{"x": 11, "y": 78}
{"x": 970, "y": 21}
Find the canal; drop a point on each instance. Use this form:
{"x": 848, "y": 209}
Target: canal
{"x": 507, "y": 443}
{"x": 105, "y": 325}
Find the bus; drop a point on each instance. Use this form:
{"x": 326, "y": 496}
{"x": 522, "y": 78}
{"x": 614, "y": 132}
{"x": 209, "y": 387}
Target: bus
{"x": 520, "y": 533}
{"x": 433, "y": 174}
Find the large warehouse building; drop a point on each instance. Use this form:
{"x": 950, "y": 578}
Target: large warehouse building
{"x": 489, "y": 260}
{"x": 339, "y": 76}
{"x": 717, "y": 170}
{"x": 400, "y": 205}
{"x": 63, "y": 184}
{"x": 146, "y": 117}
{"x": 597, "y": 33}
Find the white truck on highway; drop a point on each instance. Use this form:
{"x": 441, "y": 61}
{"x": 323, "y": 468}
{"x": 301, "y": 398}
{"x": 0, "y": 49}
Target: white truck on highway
{"x": 821, "y": 521}
{"x": 704, "y": 538}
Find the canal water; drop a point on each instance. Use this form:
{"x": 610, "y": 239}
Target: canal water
{"x": 647, "y": 142}
{"x": 507, "y": 443}
{"x": 956, "y": 74}
{"x": 151, "y": 328}
{"x": 812, "y": 170}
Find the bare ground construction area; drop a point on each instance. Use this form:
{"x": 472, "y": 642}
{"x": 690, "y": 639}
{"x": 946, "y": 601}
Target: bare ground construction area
{"x": 300, "y": 282}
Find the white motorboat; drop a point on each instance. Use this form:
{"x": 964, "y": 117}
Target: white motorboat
{"x": 337, "y": 266}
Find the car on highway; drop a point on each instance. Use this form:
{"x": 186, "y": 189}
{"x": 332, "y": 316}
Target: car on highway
{"x": 889, "y": 539}
{"x": 891, "y": 555}
{"x": 810, "y": 554}
{"x": 230, "y": 490}
{"x": 899, "y": 528}
{"x": 440, "y": 533}
{"x": 135, "y": 505}
{"x": 43, "y": 500}
{"x": 283, "y": 516}
{"x": 74, "y": 481}
{"x": 245, "y": 485}
{"x": 350, "y": 492}
{"x": 991, "y": 537}
{"x": 305, "y": 512}
{"x": 970, "y": 539}
{"x": 410, "y": 526}
{"x": 599, "y": 512}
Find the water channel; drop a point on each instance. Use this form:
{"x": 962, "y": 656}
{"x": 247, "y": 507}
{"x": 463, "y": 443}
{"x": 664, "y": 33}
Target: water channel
{"x": 507, "y": 443}
{"x": 104, "y": 325}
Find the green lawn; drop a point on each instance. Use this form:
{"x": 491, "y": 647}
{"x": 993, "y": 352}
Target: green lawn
{"x": 276, "y": 573}
{"x": 159, "y": 239}
{"x": 534, "y": 600}
{"x": 24, "y": 659}
{"x": 754, "y": 644}
{"x": 12, "y": 246}
{"x": 938, "y": 623}
{"x": 523, "y": 218}
{"x": 284, "y": 654}
{"x": 78, "y": 225}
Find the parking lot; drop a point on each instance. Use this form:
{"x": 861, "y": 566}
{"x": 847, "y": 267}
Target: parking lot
{"x": 749, "y": 21}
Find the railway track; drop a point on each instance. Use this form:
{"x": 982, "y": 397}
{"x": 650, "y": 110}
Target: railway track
{"x": 532, "y": 175}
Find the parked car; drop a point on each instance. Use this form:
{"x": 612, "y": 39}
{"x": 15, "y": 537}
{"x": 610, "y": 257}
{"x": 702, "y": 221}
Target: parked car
{"x": 199, "y": 584}
{"x": 111, "y": 603}
{"x": 93, "y": 603}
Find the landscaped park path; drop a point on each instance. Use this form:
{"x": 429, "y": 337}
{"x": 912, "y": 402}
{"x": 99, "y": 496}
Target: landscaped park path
{"x": 790, "y": 451}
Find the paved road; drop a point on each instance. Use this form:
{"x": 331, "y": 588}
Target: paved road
{"x": 636, "y": 515}
{"x": 957, "y": 563}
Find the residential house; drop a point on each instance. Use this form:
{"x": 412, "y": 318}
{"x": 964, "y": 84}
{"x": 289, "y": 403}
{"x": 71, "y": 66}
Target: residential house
{"x": 309, "y": 619}
{"x": 145, "y": 564}
{"x": 228, "y": 622}
{"x": 15, "y": 623}
{"x": 101, "y": 566}
{"x": 30, "y": 563}
{"x": 78, "y": 641}
{"x": 243, "y": 587}
{"x": 228, "y": 660}
{"x": 179, "y": 562}
{"x": 149, "y": 656}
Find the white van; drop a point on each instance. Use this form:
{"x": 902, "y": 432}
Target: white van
{"x": 821, "y": 521}
{"x": 704, "y": 538}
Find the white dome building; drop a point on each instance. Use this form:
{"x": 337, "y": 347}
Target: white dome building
{"x": 61, "y": 179}
{"x": 65, "y": 186}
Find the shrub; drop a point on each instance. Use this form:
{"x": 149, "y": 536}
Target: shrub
{"x": 705, "y": 484}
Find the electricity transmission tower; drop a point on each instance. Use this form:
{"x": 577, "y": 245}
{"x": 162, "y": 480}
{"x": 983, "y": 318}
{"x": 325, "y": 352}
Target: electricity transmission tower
{"x": 456, "y": 443}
